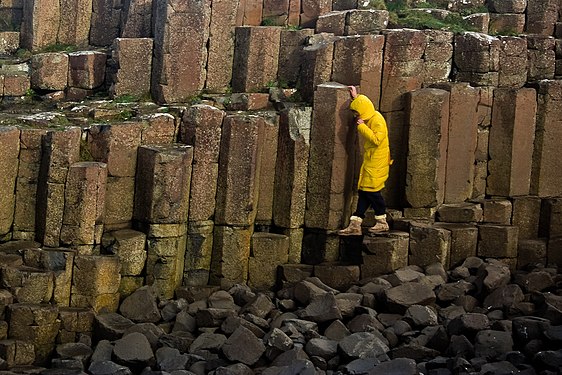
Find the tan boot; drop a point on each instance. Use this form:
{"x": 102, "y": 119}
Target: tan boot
{"x": 354, "y": 227}
{"x": 380, "y": 226}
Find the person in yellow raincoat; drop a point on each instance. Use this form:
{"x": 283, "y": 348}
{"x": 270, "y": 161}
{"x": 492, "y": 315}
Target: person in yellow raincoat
{"x": 376, "y": 164}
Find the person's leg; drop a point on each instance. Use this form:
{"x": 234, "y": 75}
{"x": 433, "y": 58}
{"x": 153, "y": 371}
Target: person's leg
{"x": 354, "y": 227}
{"x": 377, "y": 201}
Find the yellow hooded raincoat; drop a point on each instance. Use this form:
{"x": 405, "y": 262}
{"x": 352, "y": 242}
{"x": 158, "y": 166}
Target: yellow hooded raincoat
{"x": 376, "y": 158}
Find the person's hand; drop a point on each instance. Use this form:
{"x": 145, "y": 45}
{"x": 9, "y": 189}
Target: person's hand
{"x": 359, "y": 120}
{"x": 352, "y": 91}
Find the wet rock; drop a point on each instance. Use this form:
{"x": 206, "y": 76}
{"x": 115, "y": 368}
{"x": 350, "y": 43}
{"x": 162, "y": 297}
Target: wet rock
{"x": 170, "y": 359}
{"x": 107, "y": 368}
{"x": 141, "y": 306}
{"x": 363, "y": 345}
{"x": 243, "y": 346}
{"x": 322, "y": 308}
{"x": 492, "y": 344}
{"x": 401, "y": 297}
{"x": 399, "y": 366}
{"x": 111, "y": 326}
{"x": 134, "y": 351}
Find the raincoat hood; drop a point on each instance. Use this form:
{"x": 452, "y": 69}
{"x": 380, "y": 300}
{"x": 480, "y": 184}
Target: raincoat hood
{"x": 363, "y": 106}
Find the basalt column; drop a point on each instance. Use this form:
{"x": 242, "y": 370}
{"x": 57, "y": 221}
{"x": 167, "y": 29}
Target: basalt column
{"x": 237, "y": 197}
{"x": 511, "y": 142}
{"x": 61, "y": 149}
{"x": 201, "y": 128}
{"x": 180, "y": 49}
{"x": 161, "y": 211}
{"x": 427, "y": 147}
{"x": 546, "y": 179}
{"x": 10, "y": 145}
{"x": 289, "y": 201}
{"x": 331, "y": 170}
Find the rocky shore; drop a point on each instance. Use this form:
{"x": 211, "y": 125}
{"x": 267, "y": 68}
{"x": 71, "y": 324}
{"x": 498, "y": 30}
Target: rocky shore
{"x": 479, "y": 318}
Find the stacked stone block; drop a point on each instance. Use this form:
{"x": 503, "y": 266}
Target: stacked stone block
{"x": 358, "y": 61}
{"x": 74, "y": 24}
{"x": 49, "y": 71}
{"x": 268, "y": 252}
{"x": 37, "y": 325}
{"x": 75, "y": 323}
{"x": 541, "y": 57}
{"x": 136, "y": 20}
{"x": 427, "y": 142}
{"x": 10, "y": 145}
{"x": 27, "y": 181}
{"x": 15, "y": 83}
{"x": 481, "y": 156}
{"x": 40, "y": 23}
{"x": 333, "y": 159}
{"x": 462, "y": 140}
{"x": 161, "y": 210}
{"x": 513, "y": 61}
{"x": 28, "y": 284}
{"x": 289, "y": 201}
{"x": 237, "y": 196}
{"x": 507, "y": 16}
{"x": 497, "y": 211}
{"x": 95, "y": 283}
{"x": 438, "y": 56}
{"x": 86, "y": 69}
{"x": 198, "y": 252}
{"x": 291, "y": 55}
{"x": 256, "y": 58}
{"x": 429, "y": 244}
{"x": 249, "y": 13}
{"x": 221, "y": 45}
{"x": 61, "y": 149}
{"x": 546, "y": 179}
{"x": 116, "y": 145}
{"x": 17, "y": 352}
{"x": 497, "y": 241}
{"x": 382, "y": 255}
{"x": 317, "y": 64}
{"x": 525, "y": 216}
{"x": 130, "y": 247}
{"x": 551, "y": 228}
{"x": 477, "y": 58}
{"x": 60, "y": 262}
{"x": 84, "y": 196}
{"x": 11, "y": 12}
{"x": 464, "y": 241}
{"x": 105, "y": 22}
{"x": 270, "y": 136}
{"x": 312, "y": 9}
{"x": 542, "y": 16}
{"x": 511, "y": 142}
{"x": 180, "y": 49}
{"x": 132, "y": 66}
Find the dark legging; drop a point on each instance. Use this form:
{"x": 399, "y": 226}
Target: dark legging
{"x": 370, "y": 199}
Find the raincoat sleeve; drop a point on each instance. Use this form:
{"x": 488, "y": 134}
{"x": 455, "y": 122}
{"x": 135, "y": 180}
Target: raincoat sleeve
{"x": 375, "y": 135}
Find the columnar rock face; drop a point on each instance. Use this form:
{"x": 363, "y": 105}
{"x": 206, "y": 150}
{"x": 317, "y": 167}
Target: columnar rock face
{"x": 481, "y": 155}
{"x": 513, "y": 61}
{"x": 74, "y": 24}
{"x": 37, "y": 324}
{"x": 161, "y": 209}
{"x": 291, "y": 174}
{"x": 84, "y": 197}
{"x": 427, "y": 142}
{"x": 75, "y": 322}
{"x": 511, "y": 142}
{"x": 105, "y": 22}
{"x": 506, "y": 22}
{"x": 267, "y": 253}
{"x": 358, "y": 61}
{"x": 269, "y": 142}
{"x": 464, "y": 241}
{"x": 10, "y": 143}
{"x": 130, "y": 247}
{"x": 136, "y": 20}
{"x": 95, "y": 282}
{"x": 249, "y": 13}
{"x": 438, "y": 56}
{"x": 201, "y": 128}
{"x": 256, "y": 58}
{"x": 332, "y": 22}
{"x": 333, "y": 158}
{"x": 462, "y": 139}
{"x": 231, "y": 253}
{"x": 546, "y": 179}
{"x": 403, "y": 66}
{"x": 15, "y": 83}
{"x": 312, "y": 9}
{"x": 275, "y": 12}
{"x": 368, "y": 21}
{"x": 132, "y": 59}
{"x": 198, "y": 253}
{"x": 291, "y": 54}
{"x": 86, "y": 69}
{"x": 221, "y": 44}
{"x": 477, "y": 58}
{"x": 317, "y": 64}
{"x": 542, "y": 16}
{"x": 180, "y": 49}
{"x": 40, "y": 23}
{"x": 9, "y": 40}
{"x": 49, "y": 71}
{"x": 61, "y": 149}
{"x": 429, "y": 244}
{"x": 26, "y": 185}
{"x": 541, "y": 57}
{"x": 526, "y": 210}
{"x": 239, "y": 170}
{"x": 497, "y": 241}
{"x": 384, "y": 254}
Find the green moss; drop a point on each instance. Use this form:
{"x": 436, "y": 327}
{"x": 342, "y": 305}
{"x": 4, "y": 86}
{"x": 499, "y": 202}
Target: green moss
{"x": 423, "y": 20}
{"x": 377, "y": 5}
{"x": 57, "y": 47}
{"x": 85, "y": 154}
